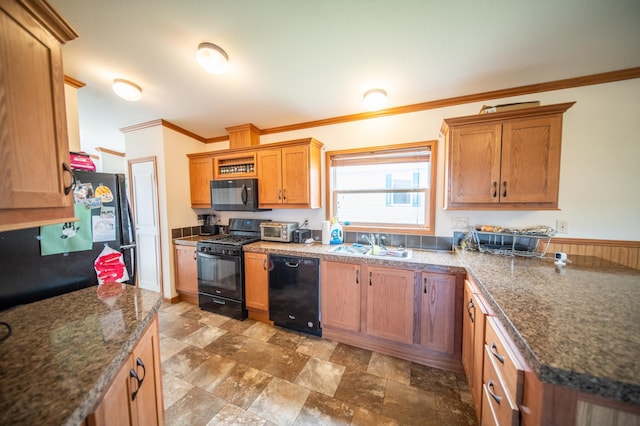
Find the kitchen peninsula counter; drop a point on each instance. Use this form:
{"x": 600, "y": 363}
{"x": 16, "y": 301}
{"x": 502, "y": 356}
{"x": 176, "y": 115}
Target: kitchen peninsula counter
{"x": 64, "y": 351}
{"x": 577, "y": 326}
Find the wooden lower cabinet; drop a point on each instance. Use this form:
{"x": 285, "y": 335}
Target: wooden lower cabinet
{"x": 381, "y": 309}
{"x": 438, "y": 325}
{"x": 473, "y": 325}
{"x": 390, "y": 303}
{"x": 256, "y": 273}
{"x": 340, "y": 295}
{"x": 186, "y": 272}
{"x": 135, "y": 395}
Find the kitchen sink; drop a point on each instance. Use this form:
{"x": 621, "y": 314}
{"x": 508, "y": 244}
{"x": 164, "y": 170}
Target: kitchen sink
{"x": 367, "y": 251}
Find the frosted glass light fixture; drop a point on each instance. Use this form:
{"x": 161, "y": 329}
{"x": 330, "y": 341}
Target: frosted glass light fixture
{"x": 127, "y": 90}
{"x": 375, "y": 99}
{"x": 212, "y": 58}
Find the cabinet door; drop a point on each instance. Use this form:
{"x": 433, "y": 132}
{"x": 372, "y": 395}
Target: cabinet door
{"x": 340, "y": 295}
{"x": 474, "y": 164}
{"x": 148, "y": 401}
{"x": 468, "y": 332}
{"x": 200, "y": 176}
{"x": 33, "y": 122}
{"x": 390, "y": 303}
{"x": 269, "y": 177}
{"x": 437, "y": 312}
{"x": 531, "y": 160}
{"x": 295, "y": 175}
{"x": 114, "y": 408}
{"x": 256, "y": 274}
{"x": 186, "y": 270}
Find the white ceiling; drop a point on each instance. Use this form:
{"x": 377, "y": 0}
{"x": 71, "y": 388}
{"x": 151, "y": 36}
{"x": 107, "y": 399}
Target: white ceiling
{"x": 294, "y": 61}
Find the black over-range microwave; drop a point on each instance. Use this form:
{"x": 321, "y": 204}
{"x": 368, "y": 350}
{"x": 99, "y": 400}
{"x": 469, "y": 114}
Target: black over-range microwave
{"x": 235, "y": 195}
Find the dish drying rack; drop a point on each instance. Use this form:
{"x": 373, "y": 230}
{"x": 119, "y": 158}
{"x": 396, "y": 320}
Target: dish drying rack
{"x": 527, "y": 242}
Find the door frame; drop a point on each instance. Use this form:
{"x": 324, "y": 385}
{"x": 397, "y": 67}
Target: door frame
{"x": 152, "y": 159}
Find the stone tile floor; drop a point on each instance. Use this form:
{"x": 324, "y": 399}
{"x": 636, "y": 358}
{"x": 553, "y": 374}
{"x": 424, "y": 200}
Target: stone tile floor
{"x": 220, "y": 371}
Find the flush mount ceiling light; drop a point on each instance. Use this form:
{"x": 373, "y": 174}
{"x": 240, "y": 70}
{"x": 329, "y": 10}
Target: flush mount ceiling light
{"x": 212, "y": 58}
{"x": 375, "y": 99}
{"x": 127, "y": 90}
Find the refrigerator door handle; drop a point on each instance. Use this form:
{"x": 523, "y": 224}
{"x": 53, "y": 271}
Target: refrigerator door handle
{"x": 128, "y": 246}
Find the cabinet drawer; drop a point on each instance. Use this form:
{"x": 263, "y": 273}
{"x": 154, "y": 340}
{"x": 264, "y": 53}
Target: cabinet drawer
{"x": 507, "y": 360}
{"x": 498, "y": 407}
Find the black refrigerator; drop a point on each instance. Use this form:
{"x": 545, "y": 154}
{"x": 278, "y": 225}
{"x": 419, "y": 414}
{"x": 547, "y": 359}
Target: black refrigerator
{"x": 26, "y": 275}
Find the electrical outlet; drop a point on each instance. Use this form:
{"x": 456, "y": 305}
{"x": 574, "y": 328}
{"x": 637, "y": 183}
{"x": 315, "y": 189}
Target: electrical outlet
{"x": 305, "y": 222}
{"x": 562, "y": 226}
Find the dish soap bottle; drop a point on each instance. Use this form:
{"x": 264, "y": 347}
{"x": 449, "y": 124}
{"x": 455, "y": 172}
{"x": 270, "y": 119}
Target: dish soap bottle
{"x": 335, "y": 232}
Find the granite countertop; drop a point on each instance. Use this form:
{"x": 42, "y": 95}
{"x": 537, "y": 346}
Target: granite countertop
{"x": 191, "y": 240}
{"x": 64, "y": 351}
{"x": 576, "y": 326}
{"x": 430, "y": 261}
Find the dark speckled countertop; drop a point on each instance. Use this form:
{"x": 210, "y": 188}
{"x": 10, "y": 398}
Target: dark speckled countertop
{"x": 64, "y": 351}
{"x": 578, "y": 326}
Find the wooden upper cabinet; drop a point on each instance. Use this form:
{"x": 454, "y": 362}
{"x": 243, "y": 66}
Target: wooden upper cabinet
{"x": 340, "y": 295}
{"x": 507, "y": 160}
{"x": 35, "y": 178}
{"x": 200, "y": 176}
{"x": 289, "y": 176}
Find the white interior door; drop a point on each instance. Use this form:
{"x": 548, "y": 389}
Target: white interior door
{"x": 144, "y": 190}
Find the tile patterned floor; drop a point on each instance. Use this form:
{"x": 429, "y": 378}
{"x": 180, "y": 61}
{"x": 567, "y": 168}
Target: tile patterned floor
{"x": 219, "y": 371}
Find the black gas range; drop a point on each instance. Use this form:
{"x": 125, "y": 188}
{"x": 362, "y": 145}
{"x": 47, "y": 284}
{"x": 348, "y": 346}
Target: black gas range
{"x": 221, "y": 268}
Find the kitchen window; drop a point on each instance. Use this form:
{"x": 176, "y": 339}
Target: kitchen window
{"x": 390, "y": 187}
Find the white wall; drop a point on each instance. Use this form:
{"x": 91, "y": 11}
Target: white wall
{"x": 600, "y": 173}
{"x": 170, "y": 149}
{"x": 73, "y": 119}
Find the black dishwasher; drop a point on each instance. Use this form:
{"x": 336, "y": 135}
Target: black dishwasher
{"x": 294, "y": 293}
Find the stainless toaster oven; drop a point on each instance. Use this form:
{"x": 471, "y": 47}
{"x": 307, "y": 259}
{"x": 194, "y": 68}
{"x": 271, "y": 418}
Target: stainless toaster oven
{"x": 278, "y": 231}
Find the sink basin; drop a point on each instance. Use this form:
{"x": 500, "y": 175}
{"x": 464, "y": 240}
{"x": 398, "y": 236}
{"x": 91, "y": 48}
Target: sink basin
{"x": 346, "y": 249}
{"x": 366, "y": 251}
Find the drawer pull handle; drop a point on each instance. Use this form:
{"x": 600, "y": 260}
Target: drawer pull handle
{"x": 504, "y": 186}
{"x": 493, "y": 395}
{"x": 357, "y": 277}
{"x": 495, "y": 189}
{"x": 499, "y": 357}
{"x": 471, "y": 306}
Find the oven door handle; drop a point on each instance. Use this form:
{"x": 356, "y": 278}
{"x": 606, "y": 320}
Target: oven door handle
{"x": 208, "y": 256}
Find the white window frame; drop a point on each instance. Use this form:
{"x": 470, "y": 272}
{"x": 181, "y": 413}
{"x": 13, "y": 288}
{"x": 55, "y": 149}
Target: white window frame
{"x": 430, "y": 197}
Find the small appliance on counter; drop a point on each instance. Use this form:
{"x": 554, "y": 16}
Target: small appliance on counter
{"x": 278, "y": 231}
{"x": 207, "y": 224}
{"x": 300, "y": 236}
